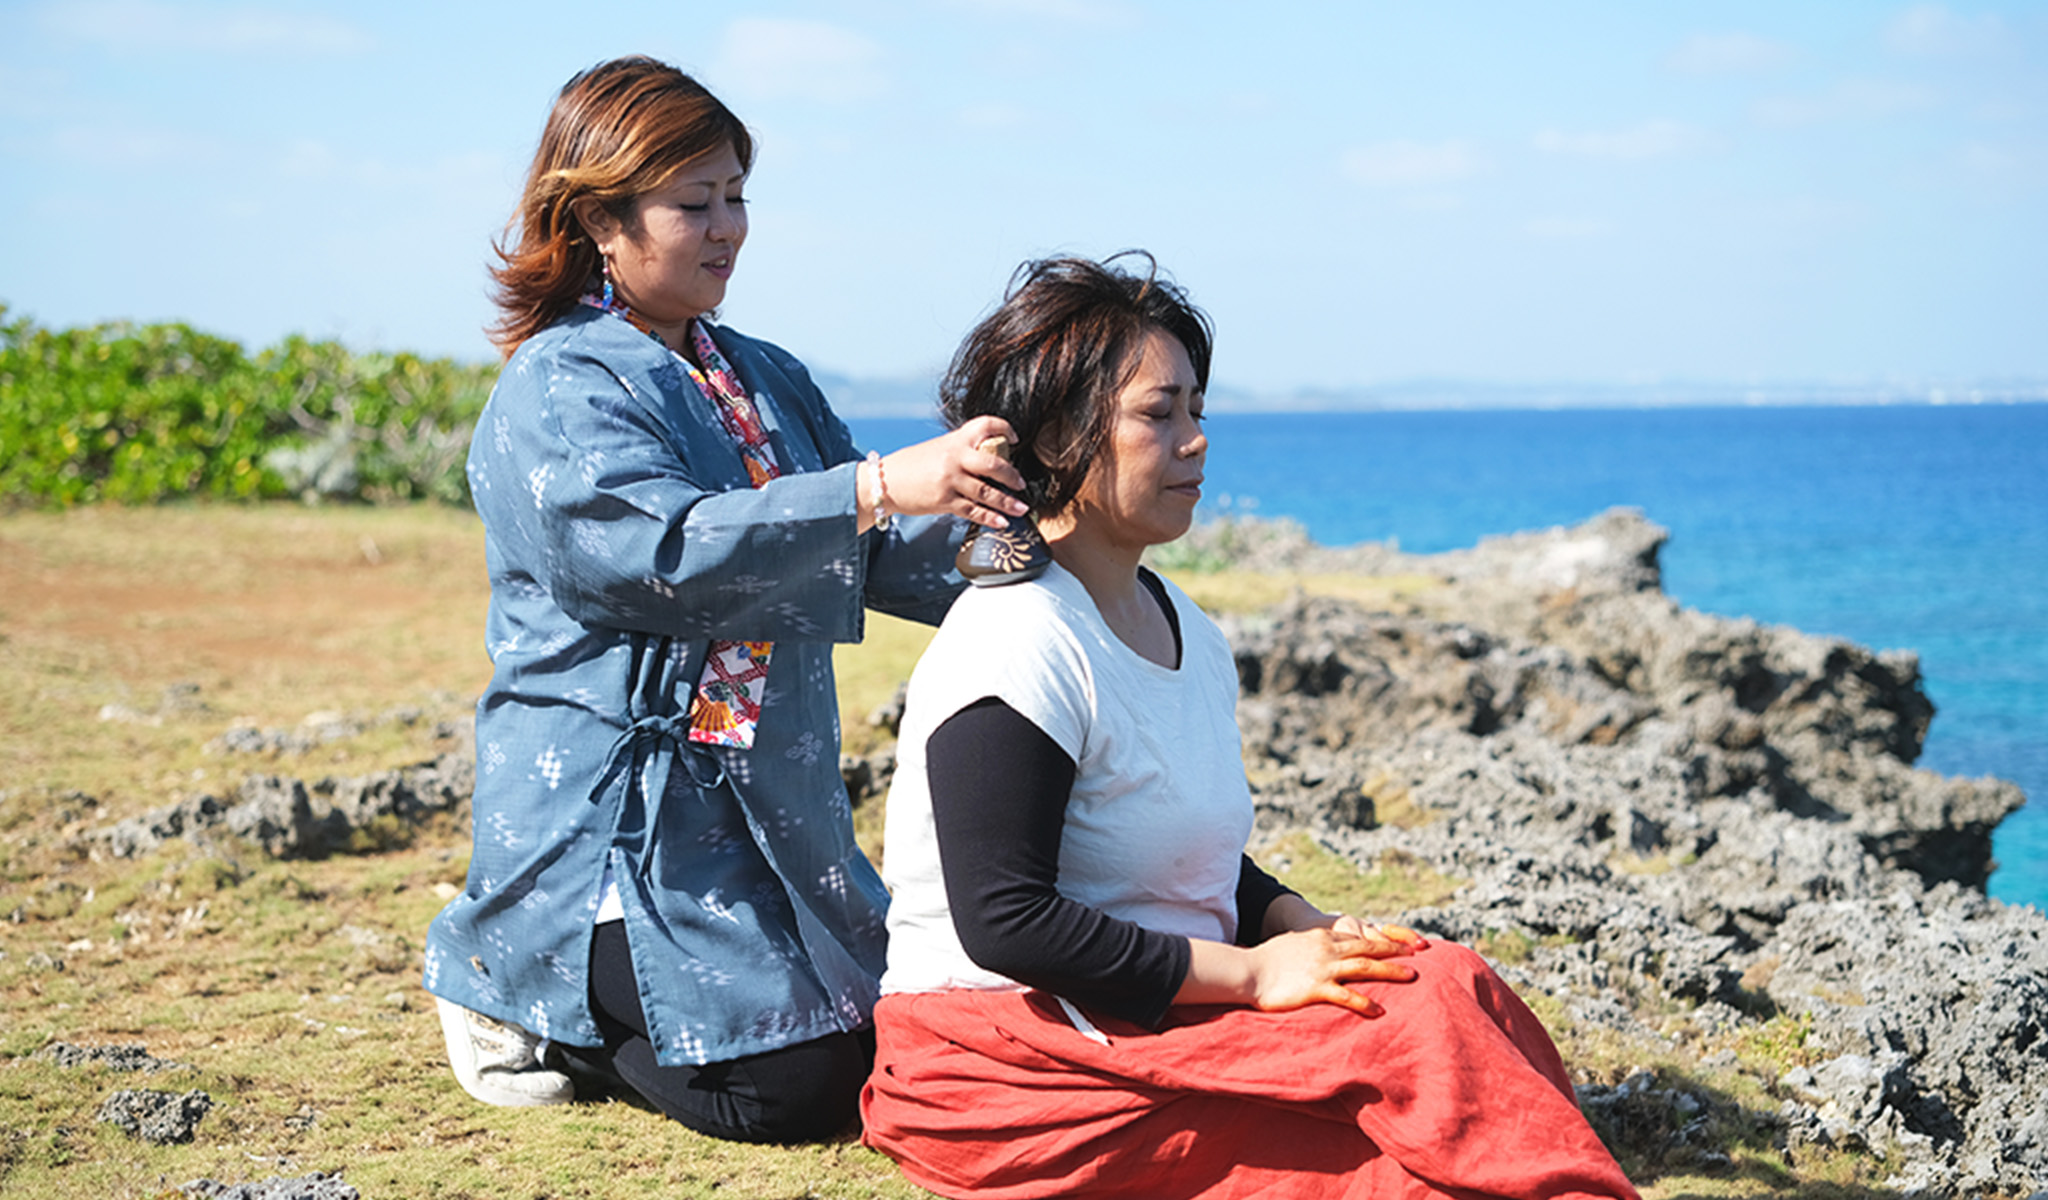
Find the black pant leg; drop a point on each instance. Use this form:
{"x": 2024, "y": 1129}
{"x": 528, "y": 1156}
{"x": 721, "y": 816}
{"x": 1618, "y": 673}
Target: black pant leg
{"x": 805, "y": 1092}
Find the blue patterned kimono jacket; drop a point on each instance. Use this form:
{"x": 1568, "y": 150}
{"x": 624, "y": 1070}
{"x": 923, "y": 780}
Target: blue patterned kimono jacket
{"x": 621, "y": 537}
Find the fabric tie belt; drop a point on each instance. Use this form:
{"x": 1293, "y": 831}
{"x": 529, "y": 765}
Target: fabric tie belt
{"x": 639, "y": 753}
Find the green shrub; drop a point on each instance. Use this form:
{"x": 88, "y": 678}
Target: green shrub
{"x": 379, "y": 427}
{"x": 140, "y": 414}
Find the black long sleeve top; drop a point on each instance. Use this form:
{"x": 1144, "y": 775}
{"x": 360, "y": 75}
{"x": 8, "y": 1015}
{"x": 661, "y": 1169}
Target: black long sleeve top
{"x": 999, "y": 792}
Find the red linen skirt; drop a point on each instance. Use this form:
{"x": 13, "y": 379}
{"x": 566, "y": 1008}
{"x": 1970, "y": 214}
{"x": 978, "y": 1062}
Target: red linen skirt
{"x": 1456, "y": 1090}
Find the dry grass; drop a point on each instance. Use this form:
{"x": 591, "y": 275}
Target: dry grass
{"x": 1399, "y": 883}
{"x": 292, "y": 988}
{"x": 1239, "y": 591}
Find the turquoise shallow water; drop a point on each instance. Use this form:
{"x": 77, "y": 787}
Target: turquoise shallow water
{"x": 1922, "y": 528}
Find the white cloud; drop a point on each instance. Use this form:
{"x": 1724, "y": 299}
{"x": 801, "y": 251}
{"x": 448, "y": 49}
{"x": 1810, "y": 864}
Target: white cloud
{"x": 2002, "y": 173}
{"x": 1249, "y": 105}
{"x": 463, "y": 174}
{"x": 1825, "y": 214}
{"x": 1410, "y": 164}
{"x": 132, "y": 148}
{"x": 1565, "y": 228}
{"x": 778, "y": 58}
{"x": 995, "y": 118}
{"x": 30, "y": 91}
{"x": 308, "y": 159}
{"x": 1651, "y": 139}
{"x": 1985, "y": 158}
{"x": 1432, "y": 202}
{"x": 1728, "y": 54}
{"x": 159, "y": 25}
{"x": 1848, "y": 100}
{"x": 1931, "y": 29}
{"x": 1074, "y": 12}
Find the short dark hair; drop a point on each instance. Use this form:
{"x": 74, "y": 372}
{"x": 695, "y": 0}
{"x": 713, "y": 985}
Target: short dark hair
{"x": 1054, "y": 354}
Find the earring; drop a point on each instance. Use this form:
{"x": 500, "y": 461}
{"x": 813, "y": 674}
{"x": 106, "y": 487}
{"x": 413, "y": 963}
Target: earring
{"x": 607, "y": 297}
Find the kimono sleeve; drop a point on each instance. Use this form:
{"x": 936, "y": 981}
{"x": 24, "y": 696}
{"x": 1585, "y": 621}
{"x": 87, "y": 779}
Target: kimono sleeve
{"x": 615, "y": 486}
{"x": 909, "y": 570}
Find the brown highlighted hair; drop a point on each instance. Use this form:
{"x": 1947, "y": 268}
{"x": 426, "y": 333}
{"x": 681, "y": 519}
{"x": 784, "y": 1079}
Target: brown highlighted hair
{"x": 617, "y": 131}
{"x": 1052, "y": 357}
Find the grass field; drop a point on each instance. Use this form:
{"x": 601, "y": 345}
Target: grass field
{"x": 129, "y": 640}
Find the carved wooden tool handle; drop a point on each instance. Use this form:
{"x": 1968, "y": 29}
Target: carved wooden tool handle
{"x": 992, "y": 557}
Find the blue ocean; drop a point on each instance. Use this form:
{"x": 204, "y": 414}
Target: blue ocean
{"x": 1912, "y": 527}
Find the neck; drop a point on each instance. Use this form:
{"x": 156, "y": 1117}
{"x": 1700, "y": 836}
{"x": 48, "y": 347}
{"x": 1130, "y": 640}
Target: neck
{"x": 1102, "y": 566}
{"x": 675, "y": 337}
{"x": 1109, "y": 572}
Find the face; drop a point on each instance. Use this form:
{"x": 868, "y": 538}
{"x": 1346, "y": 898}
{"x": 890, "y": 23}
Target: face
{"x": 672, "y": 257}
{"x": 1144, "y": 484}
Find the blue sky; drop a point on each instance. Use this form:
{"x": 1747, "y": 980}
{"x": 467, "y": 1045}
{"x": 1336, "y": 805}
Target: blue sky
{"x": 1358, "y": 192}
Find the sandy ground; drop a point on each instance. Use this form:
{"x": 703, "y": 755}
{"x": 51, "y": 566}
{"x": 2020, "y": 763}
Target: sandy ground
{"x": 126, "y": 634}
{"x": 241, "y": 601}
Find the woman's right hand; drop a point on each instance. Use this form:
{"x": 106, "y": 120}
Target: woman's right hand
{"x": 1295, "y": 970}
{"x": 950, "y": 473}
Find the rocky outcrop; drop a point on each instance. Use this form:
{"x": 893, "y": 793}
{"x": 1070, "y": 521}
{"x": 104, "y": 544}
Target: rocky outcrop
{"x": 171, "y": 1118}
{"x": 161, "y": 1118}
{"x": 1667, "y": 805}
{"x": 1691, "y": 825}
{"x": 291, "y": 818}
{"x": 132, "y": 1056}
{"x": 316, "y": 1186}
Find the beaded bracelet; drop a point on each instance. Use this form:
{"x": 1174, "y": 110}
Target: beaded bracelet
{"x": 881, "y": 491}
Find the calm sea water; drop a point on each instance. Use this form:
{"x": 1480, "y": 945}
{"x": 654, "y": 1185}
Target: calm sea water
{"x": 1922, "y": 528}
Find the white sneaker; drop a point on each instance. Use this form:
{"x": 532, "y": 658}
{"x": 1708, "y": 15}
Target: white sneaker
{"x": 499, "y": 1063}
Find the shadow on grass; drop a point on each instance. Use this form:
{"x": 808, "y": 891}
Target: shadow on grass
{"x": 1681, "y": 1136}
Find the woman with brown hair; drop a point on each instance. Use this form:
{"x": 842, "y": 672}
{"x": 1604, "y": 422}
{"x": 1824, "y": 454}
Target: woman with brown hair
{"x": 664, "y": 888}
{"x": 1091, "y": 990}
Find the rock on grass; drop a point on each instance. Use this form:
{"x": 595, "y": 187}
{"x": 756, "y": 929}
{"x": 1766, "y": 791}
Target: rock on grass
{"x": 317, "y": 1186}
{"x": 132, "y": 1056}
{"x": 158, "y": 1117}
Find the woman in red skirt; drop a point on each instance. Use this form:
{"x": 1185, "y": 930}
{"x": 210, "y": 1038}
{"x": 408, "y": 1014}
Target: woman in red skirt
{"x": 1091, "y": 991}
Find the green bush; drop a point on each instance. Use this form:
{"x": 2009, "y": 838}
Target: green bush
{"x": 142, "y": 414}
